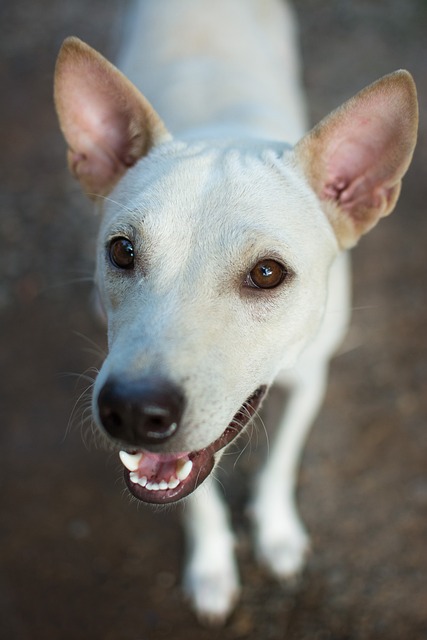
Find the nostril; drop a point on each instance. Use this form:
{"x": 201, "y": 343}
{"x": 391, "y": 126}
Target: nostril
{"x": 140, "y": 412}
{"x": 111, "y": 417}
{"x": 160, "y": 427}
{"x": 161, "y": 419}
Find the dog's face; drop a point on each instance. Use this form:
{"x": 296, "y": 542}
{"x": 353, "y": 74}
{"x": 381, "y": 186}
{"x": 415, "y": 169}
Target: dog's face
{"x": 213, "y": 258}
{"x": 212, "y": 268}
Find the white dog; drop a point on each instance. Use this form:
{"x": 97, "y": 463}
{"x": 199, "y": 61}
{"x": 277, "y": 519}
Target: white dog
{"x": 221, "y": 256}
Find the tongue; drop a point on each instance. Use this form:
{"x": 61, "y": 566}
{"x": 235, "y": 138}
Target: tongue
{"x": 155, "y": 468}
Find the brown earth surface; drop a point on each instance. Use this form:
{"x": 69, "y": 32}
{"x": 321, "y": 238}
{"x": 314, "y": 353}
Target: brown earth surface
{"x": 78, "y": 558}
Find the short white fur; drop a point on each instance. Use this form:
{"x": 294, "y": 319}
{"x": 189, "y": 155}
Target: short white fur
{"x": 205, "y": 197}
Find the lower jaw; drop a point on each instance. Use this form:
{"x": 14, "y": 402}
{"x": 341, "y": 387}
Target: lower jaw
{"x": 203, "y": 464}
{"x": 203, "y": 461}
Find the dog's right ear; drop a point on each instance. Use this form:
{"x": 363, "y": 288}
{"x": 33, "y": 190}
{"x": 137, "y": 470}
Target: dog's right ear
{"x": 106, "y": 121}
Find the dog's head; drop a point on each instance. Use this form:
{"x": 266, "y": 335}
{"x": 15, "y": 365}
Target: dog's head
{"x": 213, "y": 257}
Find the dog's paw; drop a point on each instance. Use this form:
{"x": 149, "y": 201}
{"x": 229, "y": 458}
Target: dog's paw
{"x": 284, "y": 555}
{"x": 282, "y": 546}
{"x": 212, "y": 591}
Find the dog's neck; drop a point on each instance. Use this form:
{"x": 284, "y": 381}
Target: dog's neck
{"x": 205, "y": 87}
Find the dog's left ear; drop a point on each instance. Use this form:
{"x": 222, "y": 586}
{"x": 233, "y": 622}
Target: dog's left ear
{"x": 356, "y": 157}
{"x": 106, "y": 121}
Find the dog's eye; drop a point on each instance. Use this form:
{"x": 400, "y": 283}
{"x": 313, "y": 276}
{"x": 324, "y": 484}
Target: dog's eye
{"x": 267, "y": 274}
{"x": 121, "y": 253}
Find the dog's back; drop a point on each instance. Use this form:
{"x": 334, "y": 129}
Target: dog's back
{"x": 232, "y": 63}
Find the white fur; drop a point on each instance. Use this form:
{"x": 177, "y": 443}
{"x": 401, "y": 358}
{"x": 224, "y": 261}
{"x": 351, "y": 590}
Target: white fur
{"x": 227, "y": 202}
{"x": 228, "y": 68}
{"x": 201, "y": 209}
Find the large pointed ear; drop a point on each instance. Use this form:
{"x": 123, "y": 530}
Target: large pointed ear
{"x": 356, "y": 157}
{"x": 106, "y": 121}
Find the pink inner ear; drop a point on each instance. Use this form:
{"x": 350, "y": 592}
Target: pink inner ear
{"x": 361, "y": 163}
{"x": 356, "y": 157}
{"x": 353, "y": 172}
{"x": 107, "y": 123}
{"x": 100, "y": 120}
{"x": 97, "y": 125}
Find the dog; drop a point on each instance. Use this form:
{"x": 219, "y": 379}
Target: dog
{"x": 222, "y": 259}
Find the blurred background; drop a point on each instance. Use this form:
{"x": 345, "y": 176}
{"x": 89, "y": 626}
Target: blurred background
{"x": 78, "y": 559}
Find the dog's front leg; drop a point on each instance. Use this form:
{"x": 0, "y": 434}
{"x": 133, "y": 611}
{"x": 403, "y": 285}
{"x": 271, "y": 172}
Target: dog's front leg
{"x": 281, "y": 540}
{"x": 211, "y": 577}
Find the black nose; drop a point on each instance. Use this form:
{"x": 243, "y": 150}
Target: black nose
{"x": 140, "y": 412}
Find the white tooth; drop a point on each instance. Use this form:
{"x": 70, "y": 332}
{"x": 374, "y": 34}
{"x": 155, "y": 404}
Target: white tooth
{"x": 142, "y": 481}
{"x": 163, "y": 485}
{"x": 173, "y": 483}
{"x": 183, "y": 469}
{"x": 129, "y": 460}
{"x": 152, "y": 486}
{"x": 134, "y": 477}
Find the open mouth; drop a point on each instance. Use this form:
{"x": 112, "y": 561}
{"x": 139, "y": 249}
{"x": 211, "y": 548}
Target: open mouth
{"x": 164, "y": 478}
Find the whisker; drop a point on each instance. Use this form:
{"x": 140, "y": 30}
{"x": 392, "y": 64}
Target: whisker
{"x": 70, "y": 281}
{"x": 108, "y": 199}
{"x": 259, "y": 421}
{"x": 243, "y": 449}
{"x": 367, "y": 307}
{"x": 97, "y": 349}
{"x": 81, "y": 412}
{"x": 215, "y": 476}
{"x": 78, "y": 406}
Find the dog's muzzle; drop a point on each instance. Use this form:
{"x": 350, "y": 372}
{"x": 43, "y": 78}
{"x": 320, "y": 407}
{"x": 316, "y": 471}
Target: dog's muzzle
{"x": 143, "y": 413}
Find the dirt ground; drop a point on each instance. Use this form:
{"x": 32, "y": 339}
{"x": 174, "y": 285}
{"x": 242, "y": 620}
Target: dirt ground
{"x": 78, "y": 558}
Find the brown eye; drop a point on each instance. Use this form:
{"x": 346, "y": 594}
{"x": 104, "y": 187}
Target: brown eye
{"x": 121, "y": 253}
{"x": 267, "y": 274}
